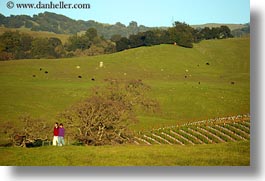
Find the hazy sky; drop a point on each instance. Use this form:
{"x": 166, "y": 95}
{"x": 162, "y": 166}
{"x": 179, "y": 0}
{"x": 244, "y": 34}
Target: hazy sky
{"x": 147, "y": 12}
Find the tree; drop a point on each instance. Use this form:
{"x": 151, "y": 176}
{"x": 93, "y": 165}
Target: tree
{"x": 10, "y": 41}
{"x": 78, "y": 42}
{"x": 136, "y": 40}
{"x": 163, "y": 36}
{"x": 56, "y": 45}
{"x": 133, "y": 28}
{"x": 104, "y": 118}
{"x": 40, "y": 48}
{"x": 225, "y": 32}
{"x": 150, "y": 38}
{"x": 181, "y": 33}
{"x": 122, "y": 44}
{"x": 47, "y": 48}
{"x": 14, "y": 45}
{"x": 29, "y": 132}
{"x": 91, "y": 33}
{"x": 206, "y": 33}
{"x": 115, "y": 37}
{"x": 215, "y": 33}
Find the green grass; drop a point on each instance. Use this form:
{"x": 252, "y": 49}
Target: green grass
{"x": 163, "y": 67}
{"x": 227, "y": 154}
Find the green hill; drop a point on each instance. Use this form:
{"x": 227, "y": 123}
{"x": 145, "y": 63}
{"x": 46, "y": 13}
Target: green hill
{"x": 60, "y": 24}
{"x": 210, "y": 80}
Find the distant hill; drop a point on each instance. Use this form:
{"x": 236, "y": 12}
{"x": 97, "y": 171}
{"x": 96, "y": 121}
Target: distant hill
{"x": 60, "y": 24}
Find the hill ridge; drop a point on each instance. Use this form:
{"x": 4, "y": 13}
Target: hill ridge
{"x": 62, "y": 24}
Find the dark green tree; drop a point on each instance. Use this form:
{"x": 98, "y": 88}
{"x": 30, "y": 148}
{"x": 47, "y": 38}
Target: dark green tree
{"x": 14, "y": 45}
{"x": 181, "y": 33}
{"x": 91, "y": 33}
{"x": 150, "y": 38}
{"x": 40, "y": 48}
{"x": 137, "y": 40}
{"x": 78, "y": 42}
{"x": 122, "y": 44}
{"x": 225, "y": 32}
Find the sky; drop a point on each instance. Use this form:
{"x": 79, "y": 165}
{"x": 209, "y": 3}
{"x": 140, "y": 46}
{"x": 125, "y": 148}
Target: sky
{"x": 147, "y": 12}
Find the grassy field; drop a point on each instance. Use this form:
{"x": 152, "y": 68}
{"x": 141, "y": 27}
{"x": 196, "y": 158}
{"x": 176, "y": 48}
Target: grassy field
{"x": 223, "y": 154}
{"x": 190, "y": 85}
{"x": 207, "y": 91}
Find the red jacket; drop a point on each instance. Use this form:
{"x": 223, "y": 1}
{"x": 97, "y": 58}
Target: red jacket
{"x": 55, "y": 131}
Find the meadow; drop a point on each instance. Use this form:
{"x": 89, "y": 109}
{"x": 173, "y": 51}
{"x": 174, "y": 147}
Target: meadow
{"x": 208, "y": 81}
{"x": 223, "y": 154}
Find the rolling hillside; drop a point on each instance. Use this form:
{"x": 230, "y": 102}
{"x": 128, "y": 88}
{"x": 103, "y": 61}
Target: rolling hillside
{"x": 210, "y": 80}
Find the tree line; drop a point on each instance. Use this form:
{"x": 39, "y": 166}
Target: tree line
{"x": 16, "y": 45}
{"x": 181, "y": 34}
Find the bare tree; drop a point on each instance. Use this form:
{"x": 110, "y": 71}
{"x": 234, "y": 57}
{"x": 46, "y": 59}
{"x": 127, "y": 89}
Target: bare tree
{"x": 27, "y": 131}
{"x": 104, "y": 118}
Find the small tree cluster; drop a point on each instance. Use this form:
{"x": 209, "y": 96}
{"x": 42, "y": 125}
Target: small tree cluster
{"x": 221, "y": 32}
{"x": 89, "y": 44}
{"x": 16, "y": 45}
{"x": 180, "y": 33}
{"x": 27, "y": 131}
{"x": 104, "y": 118}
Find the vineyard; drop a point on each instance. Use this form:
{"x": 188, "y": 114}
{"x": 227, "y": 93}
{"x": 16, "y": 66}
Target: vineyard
{"x": 212, "y": 131}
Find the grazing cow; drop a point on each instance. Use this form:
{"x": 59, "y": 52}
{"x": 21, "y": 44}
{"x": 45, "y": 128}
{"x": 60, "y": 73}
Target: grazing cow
{"x": 185, "y": 76}
{"x": 40, "y": 69}
{"x": 199, "y": 82}
{"x": 46, "y": 72}
{"x": 33, "y": 75}
{"x": 93, "y": 79}
{"x": 232, "y": 83}
{"x": 79, "y": 76}
{"x": 207, "y": 63}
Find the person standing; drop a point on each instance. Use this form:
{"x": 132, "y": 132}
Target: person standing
{"x": 55, "y": 134}
{"x": 61, "y": 135}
